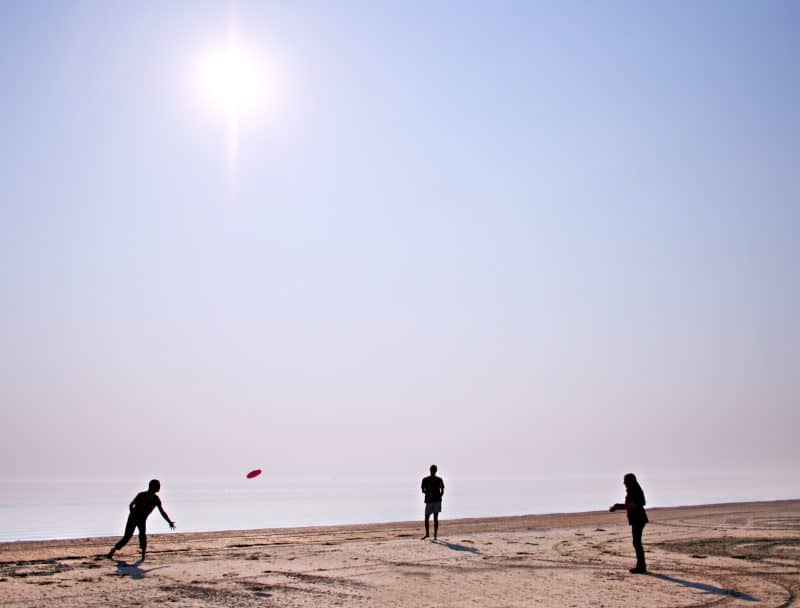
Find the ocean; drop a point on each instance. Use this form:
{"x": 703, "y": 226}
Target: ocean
{"x": 32, "y": 510}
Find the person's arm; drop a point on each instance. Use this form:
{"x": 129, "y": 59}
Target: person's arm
{"x": 423, "y": 486}
{"x": 165, "y": 516}
{"x": 627, "y": 506}
{"x": 132, "y": 506}
{"x": 441, "y": 488}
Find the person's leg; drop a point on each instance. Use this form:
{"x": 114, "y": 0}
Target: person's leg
{"x": 143, "y": 536}
{"x": 435, "y": 525}
{"x": 636, "y": 531}
{"x": 130, "y": 526}
{"x": 427, "y": 524}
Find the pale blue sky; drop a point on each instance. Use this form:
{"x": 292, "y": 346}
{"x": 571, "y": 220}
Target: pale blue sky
{"x": 516, "y": 237}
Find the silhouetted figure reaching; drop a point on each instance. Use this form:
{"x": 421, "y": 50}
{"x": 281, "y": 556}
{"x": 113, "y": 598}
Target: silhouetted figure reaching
{"x": 433, "y": 488}
{"x": 140, "y": 508}
{"x": 637, "y": 518}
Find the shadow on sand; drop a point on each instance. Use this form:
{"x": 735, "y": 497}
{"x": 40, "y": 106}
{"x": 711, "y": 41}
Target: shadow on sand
{"x": 707, "y": 588}
{"x": 133, "y": 570}
{"x": 456, "y": 547}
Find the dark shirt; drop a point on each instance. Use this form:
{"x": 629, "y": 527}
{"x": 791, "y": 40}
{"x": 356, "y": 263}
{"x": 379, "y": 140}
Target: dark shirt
{"x": 636, "y": 514}
{"x": 143, "y": 505}
{"x": 433, "y": 487}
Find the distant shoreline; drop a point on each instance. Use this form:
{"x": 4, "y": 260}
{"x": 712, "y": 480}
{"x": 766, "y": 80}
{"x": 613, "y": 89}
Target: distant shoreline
{"x": 509, "y": 523}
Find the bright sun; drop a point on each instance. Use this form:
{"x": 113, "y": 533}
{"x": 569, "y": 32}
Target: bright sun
{"x": 232, "y": 80}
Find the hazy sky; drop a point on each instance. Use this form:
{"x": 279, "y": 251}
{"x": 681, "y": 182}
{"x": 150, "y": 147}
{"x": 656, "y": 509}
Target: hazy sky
{"x": 510, "y": 238}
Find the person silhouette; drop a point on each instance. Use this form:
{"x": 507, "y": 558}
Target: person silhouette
{"x": 637, "y": 518}
{"x": 140, "y": 508}
{"x": 433, "y": 488}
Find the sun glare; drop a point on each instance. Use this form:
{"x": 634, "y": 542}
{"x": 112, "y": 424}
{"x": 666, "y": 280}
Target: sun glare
{"x": 232, "y": 80}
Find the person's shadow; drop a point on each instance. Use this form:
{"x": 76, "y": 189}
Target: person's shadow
{"x": 707, "y": 588}
{"x": 133, "y": 570}
{"x": 455, "y": 547}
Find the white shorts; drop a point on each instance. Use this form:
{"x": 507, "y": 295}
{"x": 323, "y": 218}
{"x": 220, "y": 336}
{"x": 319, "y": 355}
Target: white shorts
{"x": 432, "y": 507}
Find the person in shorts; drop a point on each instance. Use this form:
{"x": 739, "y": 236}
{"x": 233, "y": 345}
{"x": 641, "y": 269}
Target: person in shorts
{"x": 433, "y": 488}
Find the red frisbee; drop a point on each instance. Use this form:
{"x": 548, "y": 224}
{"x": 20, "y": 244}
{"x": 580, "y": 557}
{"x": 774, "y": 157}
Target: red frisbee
{"x": 254, "y": 473}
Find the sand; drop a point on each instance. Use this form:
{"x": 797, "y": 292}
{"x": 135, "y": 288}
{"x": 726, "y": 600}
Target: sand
{"x": 720, "y": 555}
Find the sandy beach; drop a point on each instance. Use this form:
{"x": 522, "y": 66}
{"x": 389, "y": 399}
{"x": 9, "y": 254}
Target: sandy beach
{"x": 745, "y": 554}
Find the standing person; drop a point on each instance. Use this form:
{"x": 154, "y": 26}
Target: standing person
{"x": 140, "y": 508}
{"x": 637, "y": 518}
{"x": 433, "y": 488}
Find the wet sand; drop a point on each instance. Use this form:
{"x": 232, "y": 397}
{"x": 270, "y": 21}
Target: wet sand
{"x": 745, "y": 554}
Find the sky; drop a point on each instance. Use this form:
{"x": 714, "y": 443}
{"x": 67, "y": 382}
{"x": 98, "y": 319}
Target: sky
{"x": 514, "y": 239}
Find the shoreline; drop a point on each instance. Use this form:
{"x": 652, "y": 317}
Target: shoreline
{"x": 727, "y": 554}
{"x": 509, "y": 523}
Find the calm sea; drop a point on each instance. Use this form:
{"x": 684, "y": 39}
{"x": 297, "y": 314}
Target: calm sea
{"x": 40, "y": 510}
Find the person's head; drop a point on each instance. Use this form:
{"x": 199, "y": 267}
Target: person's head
{"x": 434, "y": 469}
{"x": 154, "y": 486}
{"x": 630, "y": 480}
